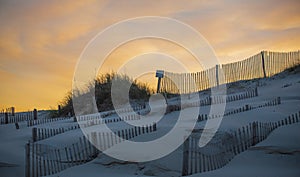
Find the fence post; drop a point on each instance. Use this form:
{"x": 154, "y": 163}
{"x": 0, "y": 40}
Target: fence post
{"x": 154, "y": 126}
{"x": 217, "y": 74}
{"x": 263, "y": 63}
{"x": 159, "y": 74}
{"x": 278, "y": 100}
{"x": 59, "y": 110}
{"x": 6, "y": 118}
{"x": 34, "y": 134}
{"x": 254, "y": 133}
{"x": 13, "y": 111}
{"x": 246, "y": 107}
{"x": 27, "y": 160}
{"x": 185, "y": 165}
{"x": 35, "y": 114}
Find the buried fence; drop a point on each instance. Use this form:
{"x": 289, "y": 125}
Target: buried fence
{"x": 43, "y": 160}
{"x": 43, "y": 133}
{"x": 244, "y": 108}
{"x": 98, "y": 117}
{"x": 216, "y": 99}
{"x": 264, "y": 64}
{"x": 44, "y": 121}
{"x": 92, "y": 119}
{"x": 214, "y": 156}
{"x": 98, "y": 121}
{"x": 9, "y": 118}
{"x": 129, "y": 109}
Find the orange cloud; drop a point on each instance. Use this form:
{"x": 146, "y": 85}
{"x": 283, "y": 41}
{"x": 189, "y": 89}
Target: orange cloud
{"x": 40, "y": 41}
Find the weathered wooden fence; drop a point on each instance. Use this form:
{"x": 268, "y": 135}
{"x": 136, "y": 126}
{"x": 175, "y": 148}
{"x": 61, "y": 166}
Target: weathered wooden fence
{"x": 9, "y": 117}
{"x": 9, "y": 111}
{"x": 43, "y": 160}
{"x": 216, "y": 99}
{"x": 44, "y": 133}
{"x": 214, "y": 156}
{"x": 92, "y": 117}
{"x": 44, "y": 121}
{"x": 244, "y": 108}
{"x": 89, "y": 120}
{"x": 264, "y": 64}
{"x": 124, "y": 110}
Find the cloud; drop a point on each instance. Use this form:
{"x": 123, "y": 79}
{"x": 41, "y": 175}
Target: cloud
{"x": 40, "y": 41}
{"x": 237, "y": 29}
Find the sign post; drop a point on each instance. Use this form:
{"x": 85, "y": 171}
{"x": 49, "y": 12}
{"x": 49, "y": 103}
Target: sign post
{"x": 159, "y": 75}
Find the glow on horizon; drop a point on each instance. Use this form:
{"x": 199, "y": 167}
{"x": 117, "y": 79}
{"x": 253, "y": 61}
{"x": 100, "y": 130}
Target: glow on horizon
{"x": 40, "y": 41}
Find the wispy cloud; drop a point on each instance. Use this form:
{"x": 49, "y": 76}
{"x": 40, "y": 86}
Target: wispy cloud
{"x": 40, "y": 41}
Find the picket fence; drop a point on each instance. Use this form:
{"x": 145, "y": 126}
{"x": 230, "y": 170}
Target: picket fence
{"x": 124, "y": 110}
{"x": 92, "y": 117}
{"x": 264, "y": 64}
{"x": 216, "y": 99}
{"x": 44, "y": 121}
{"x": 9, "y": 118}
{"x": 43, "y": 160}
{"x": 90, "y": 120}
{"x": 216, "y": 155}
{"x": 44, "y": 133}
{"x": 244, "y": 108}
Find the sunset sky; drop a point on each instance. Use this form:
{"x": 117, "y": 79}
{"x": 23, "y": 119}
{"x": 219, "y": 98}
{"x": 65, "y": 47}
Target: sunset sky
{"x": 41, "y": 41}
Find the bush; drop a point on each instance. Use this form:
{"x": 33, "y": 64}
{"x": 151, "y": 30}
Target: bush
{"x": 101, "y": 86}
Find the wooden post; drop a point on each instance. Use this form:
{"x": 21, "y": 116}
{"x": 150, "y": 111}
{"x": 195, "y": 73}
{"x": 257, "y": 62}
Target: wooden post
{"x": 27, "y": 160}
{"x": 278, "y": 100}
{"x": 263, "y": 63}
{"x": 34, "y": 134}
{"x": 59, "y": 109}
{"x": 76, "y": 158}
{"x": 254, "y": 133}
{"x": 41, "y": 161}
{"x": 185, "y": 162}
{"x": 35, "y": 114}
{"x": 32, "y": 160}
{"x": 158, "y": 85}
{"x": 217, "y": 75}
{"x": 154, "y": 126}
{"x": 13, "y": 111}
{"x": 246, "y": 107}
{"x": 6, "y": 118}
{"x": 159, "y": 75}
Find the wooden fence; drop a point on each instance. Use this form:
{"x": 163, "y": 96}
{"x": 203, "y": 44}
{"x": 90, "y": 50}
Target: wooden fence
{"x": 90, "y": 120}
{"x": 9, "y": 111}
{"x": 43, "y": 160}
{"x": 216, "y": 99}
{"x": 44, "y": 133}
{"x": 44, "y": 121}
{"x": 91, "y": 117}
{"x": 244, "y": 108}
{"x": 9, "y": 118}
{"x": 216, "y": 155}
{"x": 124, "y": 110}
{"x": 264, "y": 64}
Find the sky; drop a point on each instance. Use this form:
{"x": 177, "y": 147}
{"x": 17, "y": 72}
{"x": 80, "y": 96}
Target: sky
{"x": 41, "y": 41}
